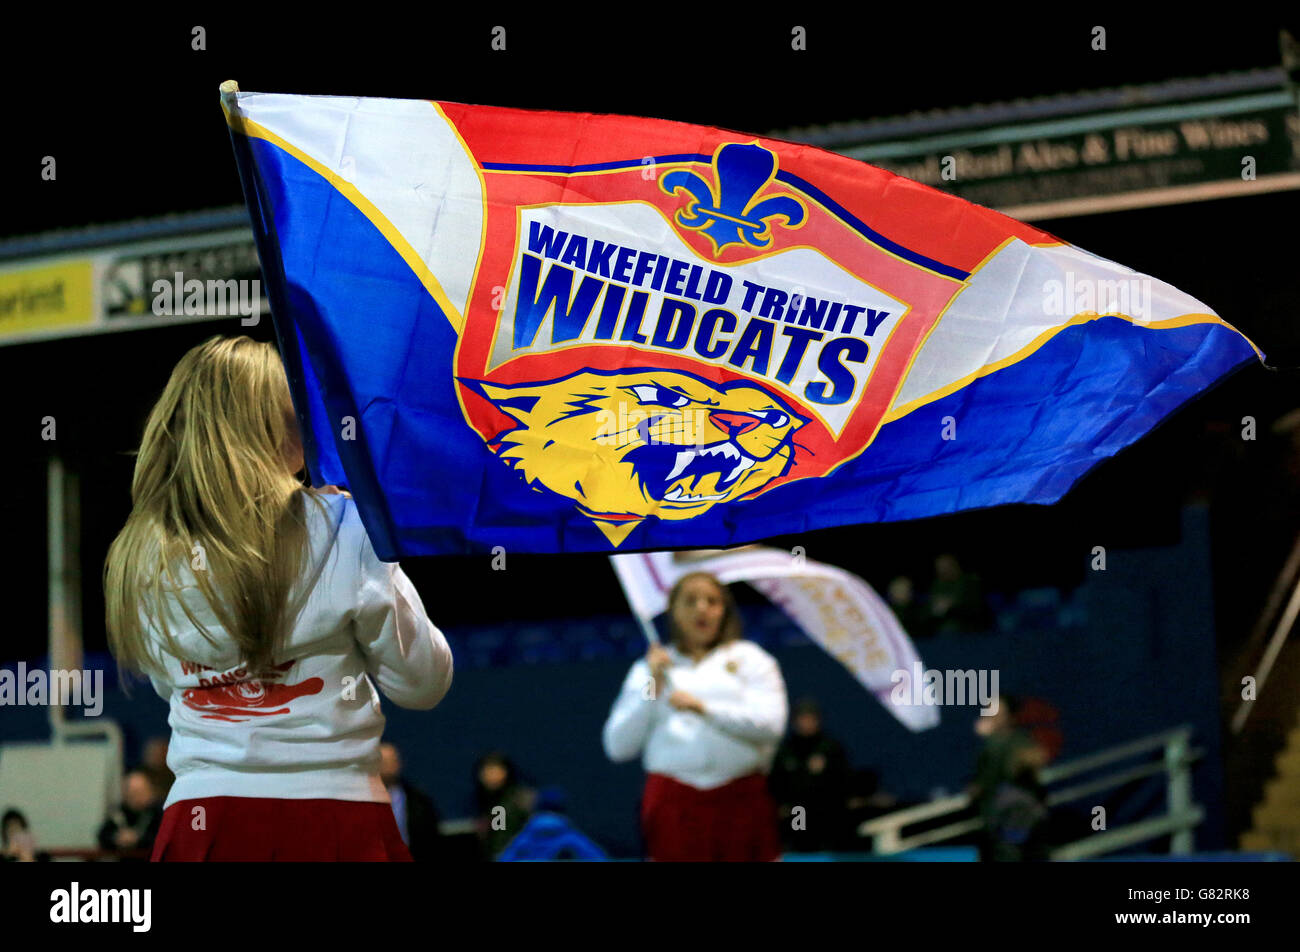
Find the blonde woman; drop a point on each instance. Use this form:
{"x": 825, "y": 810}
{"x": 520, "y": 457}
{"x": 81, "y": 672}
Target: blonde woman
{"x": 705, "y": 715}
{"x": 259, "y": 610}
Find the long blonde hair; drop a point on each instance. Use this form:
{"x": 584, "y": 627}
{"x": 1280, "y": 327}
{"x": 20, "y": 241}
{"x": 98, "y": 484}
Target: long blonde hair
{"x": 212, "y": 488}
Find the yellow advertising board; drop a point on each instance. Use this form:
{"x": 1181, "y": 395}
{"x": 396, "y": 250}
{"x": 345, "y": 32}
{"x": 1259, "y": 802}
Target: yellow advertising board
{"x": 47, "y": 298}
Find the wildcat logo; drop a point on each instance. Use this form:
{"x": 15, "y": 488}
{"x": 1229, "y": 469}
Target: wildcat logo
{"x": 641, "y": 348}
{"x": 626, "y": 445}
{"x": 728, "y": 215}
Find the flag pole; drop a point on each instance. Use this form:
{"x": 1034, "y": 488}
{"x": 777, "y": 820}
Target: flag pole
{"x": 652, "y": 636}
{"x": 647, "y": 628}
{"x": 647, "y": 625}
{"x": 228, "y": 90}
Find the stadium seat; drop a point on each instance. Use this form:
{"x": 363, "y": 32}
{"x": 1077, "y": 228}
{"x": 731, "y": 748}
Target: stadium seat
{"x": 597, "y": 649}
{"x": 1033, "y": 608}
{"x": 487, "y": 647}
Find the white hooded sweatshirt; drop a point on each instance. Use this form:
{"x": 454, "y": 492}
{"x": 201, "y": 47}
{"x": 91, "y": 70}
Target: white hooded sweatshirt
{"x": 312, "y": 731}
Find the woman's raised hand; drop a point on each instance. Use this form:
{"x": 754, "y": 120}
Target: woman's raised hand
{"x": 659, "y": 661}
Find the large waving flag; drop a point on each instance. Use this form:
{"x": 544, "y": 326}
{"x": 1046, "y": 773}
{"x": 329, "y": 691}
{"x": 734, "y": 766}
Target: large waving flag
{"x": 572, "y": 332}
{"x": 836, "y": 609}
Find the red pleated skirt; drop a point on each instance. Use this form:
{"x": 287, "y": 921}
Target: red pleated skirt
{"x": 734, "y": 823}
{"x": 262, "y": 830}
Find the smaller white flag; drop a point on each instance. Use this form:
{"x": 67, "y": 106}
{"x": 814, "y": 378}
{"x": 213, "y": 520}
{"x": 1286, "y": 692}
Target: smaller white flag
{"x": 835, "y": 608}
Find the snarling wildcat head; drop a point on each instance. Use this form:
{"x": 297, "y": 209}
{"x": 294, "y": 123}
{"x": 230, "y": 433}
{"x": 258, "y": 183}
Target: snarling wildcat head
{"x": 634, "y": 443}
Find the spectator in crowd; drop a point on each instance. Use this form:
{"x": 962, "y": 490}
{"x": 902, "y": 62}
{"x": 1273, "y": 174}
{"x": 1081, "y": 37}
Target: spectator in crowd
{"x": 1006, "y": 790}
{"x": 417, "y": 817}
{"x": 1018, "y": 820}
{"x": 809, "y": 781}
{"x": 705, "y": 716}
{"x": 911, "y": 614}
{"x": 154, "y": 762}
{"x": 17, "y": 845}
{"x": 957, "y": 598}
{"x": 130, "y": 829}
{"x": 1041, "y": 719}
{"x": 504, "y": 803}
{"x": 549, "y": 834}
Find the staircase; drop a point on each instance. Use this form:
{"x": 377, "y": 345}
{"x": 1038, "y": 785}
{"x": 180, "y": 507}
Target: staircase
{"x": 1262, "y": 746}
{"x": 1277, "y": 818}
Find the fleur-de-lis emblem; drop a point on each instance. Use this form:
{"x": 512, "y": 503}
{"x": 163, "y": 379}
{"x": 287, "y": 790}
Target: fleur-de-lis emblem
{"x": 728, "y": 215}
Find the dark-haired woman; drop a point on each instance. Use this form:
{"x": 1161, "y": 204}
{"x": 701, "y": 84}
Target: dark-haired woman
{"x": 504, "y": 803}
{"x": 705, "y": 714}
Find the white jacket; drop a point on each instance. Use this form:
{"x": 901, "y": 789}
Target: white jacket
{"x": 744, "y": 698}
{"x": 313, "y": 731}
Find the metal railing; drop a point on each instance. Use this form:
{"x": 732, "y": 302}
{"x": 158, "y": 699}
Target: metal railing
{"x": 888, "y": 835}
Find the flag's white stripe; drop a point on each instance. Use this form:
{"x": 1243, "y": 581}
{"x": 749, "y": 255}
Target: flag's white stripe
{"x": 1012, "y": 301}
{"x": 405, "y": 158}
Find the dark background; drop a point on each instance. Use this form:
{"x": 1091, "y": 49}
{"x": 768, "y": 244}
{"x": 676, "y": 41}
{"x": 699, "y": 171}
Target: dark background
{"x": 131, "y": 114}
